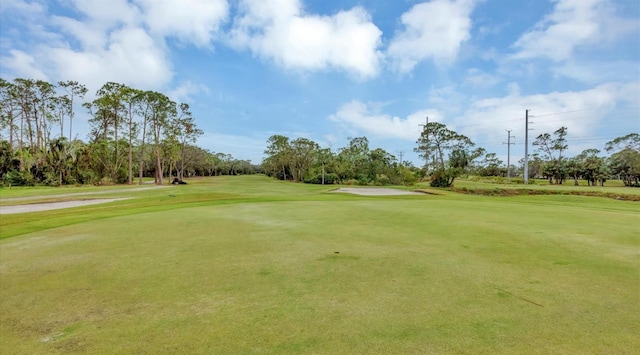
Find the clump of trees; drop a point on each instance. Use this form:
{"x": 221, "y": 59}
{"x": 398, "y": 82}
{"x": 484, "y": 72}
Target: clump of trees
{"x": 590, "y": 165}
{"x": 449, "y": 155}
{"x": 303, "y": 160}
{"x": 435, "y": 142}
{"x": 133, "y": 133}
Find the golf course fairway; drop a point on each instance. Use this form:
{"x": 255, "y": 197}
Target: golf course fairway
{"x": 248, "y": 264}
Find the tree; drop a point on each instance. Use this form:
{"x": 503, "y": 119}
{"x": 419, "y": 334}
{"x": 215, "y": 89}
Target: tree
{"x": 353, "y": 160}
{"x": 490, "y": 165}
{"x": 186, "y": 133}
{"x": 303, "y": 151}
{"x": 630, "y": 141}
{"x": 324, "y": 156}
{"x": 162, "y": 110}
{"x": 554, "y": 167}
{"x": 73, "y": 89}
{"x": 279, "y": 153}
{"x": 8, "y": 112}
{"x": 436, "y": 140}
{"x": 625, "y": 162}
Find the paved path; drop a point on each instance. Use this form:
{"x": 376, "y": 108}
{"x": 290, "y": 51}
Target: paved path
{"x": 82, "y": 193}
{"x": 37, "y": 207}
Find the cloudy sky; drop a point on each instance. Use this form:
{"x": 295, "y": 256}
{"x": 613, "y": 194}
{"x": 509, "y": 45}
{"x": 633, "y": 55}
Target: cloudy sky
{"x": 329, "y": 70}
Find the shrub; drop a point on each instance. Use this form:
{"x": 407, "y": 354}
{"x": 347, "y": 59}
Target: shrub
{"x": 20, "y": 178}
{"x": 442, "y": 178}
{"x": 381, "y": 179}
{"x": 329, "y": 179}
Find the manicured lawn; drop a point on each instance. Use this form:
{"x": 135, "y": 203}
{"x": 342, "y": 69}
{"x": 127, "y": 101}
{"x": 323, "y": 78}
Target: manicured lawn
{"x": 253, "y": 265}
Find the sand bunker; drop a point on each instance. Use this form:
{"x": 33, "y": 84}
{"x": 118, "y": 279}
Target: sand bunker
{"x": 36, "y": 207}
{"x": 375, "y": 191}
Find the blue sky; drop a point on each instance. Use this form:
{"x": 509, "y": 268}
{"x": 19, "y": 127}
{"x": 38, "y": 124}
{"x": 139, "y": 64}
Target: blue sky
{"x": 330, "y": 70}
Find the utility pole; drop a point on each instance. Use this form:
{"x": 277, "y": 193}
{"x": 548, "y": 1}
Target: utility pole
{"x": 426, "y": 158}
{"x": 526, "y": 147}
{"x": 400, "y": 153}
{"x": 509, "y": 144}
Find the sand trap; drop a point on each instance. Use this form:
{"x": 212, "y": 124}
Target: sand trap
{"x": 37, "y": 207}
{"x": 375, "y": 191}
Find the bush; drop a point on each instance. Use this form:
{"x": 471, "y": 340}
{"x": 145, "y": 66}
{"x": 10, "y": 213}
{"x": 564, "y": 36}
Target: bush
{"x": 20, "y": 178}
{"x": 351, "y": 182}
{"x": 329, "y": 179}
{"x": 440, "y": 178}
{"x": 381, "y": 179}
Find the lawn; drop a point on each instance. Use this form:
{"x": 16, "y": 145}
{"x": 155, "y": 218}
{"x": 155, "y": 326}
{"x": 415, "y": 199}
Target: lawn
{"x": 252, "y": 265}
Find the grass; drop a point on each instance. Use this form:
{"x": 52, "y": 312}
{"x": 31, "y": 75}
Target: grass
{"x": 252, "y": 265}
{"x": 613, "y": 189}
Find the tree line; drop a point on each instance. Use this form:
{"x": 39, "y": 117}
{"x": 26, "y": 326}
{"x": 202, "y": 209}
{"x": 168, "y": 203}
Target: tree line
{"x": 449, "y": 155}
{"x": 136, "y": 133}
{"x": 133, "y": 134}
{"x": 303, "y": 160}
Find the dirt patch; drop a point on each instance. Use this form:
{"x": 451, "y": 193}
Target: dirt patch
{"x": 37, "y": 207}
{"x": 375, "y": 191}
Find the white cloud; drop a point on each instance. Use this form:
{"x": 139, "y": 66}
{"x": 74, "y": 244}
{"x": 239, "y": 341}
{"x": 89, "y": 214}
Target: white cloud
{"x": 432, "y": 30}
{"x": 479, "y": 78}
{"x": 23, "y": 7}
{"x": 185, "y": 90}
{"x": 486, "y": 120}
{"x": 131, "y": 57}
{"x": 594, "y": 72}
{"x": 366, "y": 119}
{"x": 22, "y": 65}
{"x": 573, "y": 24}
{"x": 192, "y": 21}
{"x": 279, "y": 30}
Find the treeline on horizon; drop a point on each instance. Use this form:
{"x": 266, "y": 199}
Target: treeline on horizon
{"x": 136, "y": 134}
{"x": 133, "y": 134}
{"x": 449, "y": 155}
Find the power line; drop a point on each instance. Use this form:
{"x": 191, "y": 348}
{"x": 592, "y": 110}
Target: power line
{"x": 562, "y": 113}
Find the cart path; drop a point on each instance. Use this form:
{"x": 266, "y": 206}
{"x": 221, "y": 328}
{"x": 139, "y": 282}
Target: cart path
{"x": 84, "y": 193}
{"x": 37, "y": 207}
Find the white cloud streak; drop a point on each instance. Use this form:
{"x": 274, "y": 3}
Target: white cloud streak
{"x": 366, "y": 118}
{"x": 573, "y": 24}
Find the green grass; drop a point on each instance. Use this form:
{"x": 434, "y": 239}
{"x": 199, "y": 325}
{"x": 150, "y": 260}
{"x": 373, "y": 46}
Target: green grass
{"x": 253, "y": 265}
{"x": 613, "y": 189}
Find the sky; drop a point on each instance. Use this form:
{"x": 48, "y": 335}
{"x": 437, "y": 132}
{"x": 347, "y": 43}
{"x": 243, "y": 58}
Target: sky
{"x": 333, "y": 70}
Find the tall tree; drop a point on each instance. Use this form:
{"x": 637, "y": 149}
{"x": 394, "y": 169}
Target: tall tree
{"x": 552, "y": 147}
{"x": 160, "y": 111}
{"x": 303, "y": 151}
{"x": 279, "y": 153}
{"x": 436, "y": 140}
{"x": 8, "y": 112}
{"x": 73, "y": 90}
{"x": 186, "y": 133}
{"x": 625, "y": 160}
{"x": 131, "y": 99}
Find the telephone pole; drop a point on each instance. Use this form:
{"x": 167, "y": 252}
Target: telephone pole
{"x": 426, "y": 158}
{"x": 526, "y": 147}
{"x": 400, "y": 153}
{"x": 509, "y": 144}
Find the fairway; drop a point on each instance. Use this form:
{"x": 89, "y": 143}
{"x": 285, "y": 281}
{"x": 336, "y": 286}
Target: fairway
{"x": 252, "y": 265}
